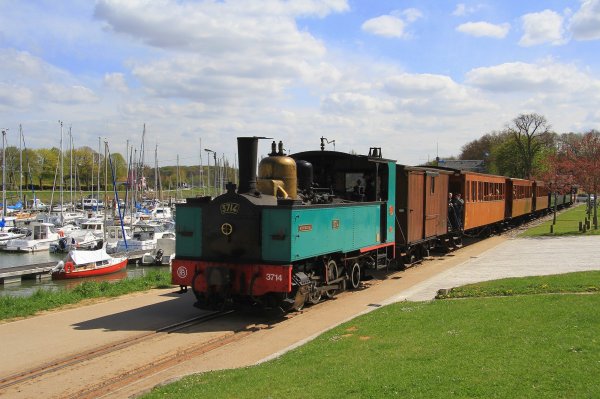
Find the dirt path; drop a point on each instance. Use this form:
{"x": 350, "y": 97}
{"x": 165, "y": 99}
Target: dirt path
{"x": 55, "y": 335}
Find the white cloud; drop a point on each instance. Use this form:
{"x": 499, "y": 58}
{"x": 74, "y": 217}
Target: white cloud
{"x": 115, "y": 81}
{"x": 385, "y": 25}
{"x": 393, "y": 25}
{"x": 462, "y": 9}
{"x": 38, "y": 79}
{"x": 422, "y": 93}
{"x": 348, "y": 102}
{"x": 261, "y": 29}
{"x": 585, "y": 23}
{"x": 69, "y": 94}
{"x": 411, "y": 14}
{"x": 15, "y": 96}
{"x": 542, "y": 27}
{"x": 223, "y": 52}
{"x": 484, "y": 29}
{"x": 543, "y": 77}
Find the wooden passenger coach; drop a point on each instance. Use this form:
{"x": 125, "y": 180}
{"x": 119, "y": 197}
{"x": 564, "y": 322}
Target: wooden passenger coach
{"x": 484, "y": 197}
{"x": 541, "y": 197}
{"x": 520, "y": 199}
{"x": 422, "y": 204}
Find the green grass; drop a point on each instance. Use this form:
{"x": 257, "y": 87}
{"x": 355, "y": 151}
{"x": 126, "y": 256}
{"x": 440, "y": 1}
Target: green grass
{"x": 530, "y": 346}
{"x": 567, "y": 223}
{"x": 46, "y": 195}
{"x": 11, "y": 306}
{"x": 578, "y": 282}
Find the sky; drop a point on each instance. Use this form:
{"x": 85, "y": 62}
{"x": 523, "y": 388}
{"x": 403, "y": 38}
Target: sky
{"x": 416, "y": 78}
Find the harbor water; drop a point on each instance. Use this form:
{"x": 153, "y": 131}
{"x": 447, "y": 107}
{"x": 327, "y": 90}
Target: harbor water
{"x": 28, "y": 287}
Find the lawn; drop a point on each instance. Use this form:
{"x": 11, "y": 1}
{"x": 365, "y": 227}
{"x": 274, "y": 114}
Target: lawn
{"x": 525, "y": 346}
{"x": 579, "y": 282}
{"x": 567, "y": 223}
{"x": 13, "y": 306}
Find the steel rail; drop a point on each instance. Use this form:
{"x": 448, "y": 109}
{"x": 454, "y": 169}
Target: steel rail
{"x": 68, "y": 361}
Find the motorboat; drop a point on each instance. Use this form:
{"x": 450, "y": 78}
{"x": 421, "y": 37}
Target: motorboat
{"x": 83, "y": 263}
{"x": 114, "y": 235}
{"x": 144, "y": 238}
{"x": 89, "y": 235}
{"x": 162, "y": 255}
{"x": 42, "y": 235}
{"x": 10, "y": 231}
{"x": 161, "y": 213}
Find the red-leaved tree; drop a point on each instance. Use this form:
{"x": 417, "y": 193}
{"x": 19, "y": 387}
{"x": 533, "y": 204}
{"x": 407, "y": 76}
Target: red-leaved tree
{"x": 580, "y": 157}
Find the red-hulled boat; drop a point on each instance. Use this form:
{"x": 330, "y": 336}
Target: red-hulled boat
{"x": 84, "y": 263}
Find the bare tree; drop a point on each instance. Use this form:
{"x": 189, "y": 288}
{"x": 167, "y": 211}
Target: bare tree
{"x": 530, "y": 133}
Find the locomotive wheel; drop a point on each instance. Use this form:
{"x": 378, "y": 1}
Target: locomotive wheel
{"x": 314, "y": 297}
{"x": 355, "y": 275}
{"x": 331, "y": 271}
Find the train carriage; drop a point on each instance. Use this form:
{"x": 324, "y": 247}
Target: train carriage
{"x": 519, "y": 201}
{"x": 484, "y": 198}
{"x": 541, "y": 201}
{"x": 422, "y": 209}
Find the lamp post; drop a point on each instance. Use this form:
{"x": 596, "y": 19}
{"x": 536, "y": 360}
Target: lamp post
{"x": 208, "y": 170}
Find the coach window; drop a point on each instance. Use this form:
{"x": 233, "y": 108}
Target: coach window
{"x": 432, "y": 184}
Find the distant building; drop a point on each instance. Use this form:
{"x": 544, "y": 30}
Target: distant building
{"x": 472, "y": 165}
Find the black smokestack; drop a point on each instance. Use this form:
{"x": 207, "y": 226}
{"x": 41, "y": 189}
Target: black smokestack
{"x": 247, "y": 157}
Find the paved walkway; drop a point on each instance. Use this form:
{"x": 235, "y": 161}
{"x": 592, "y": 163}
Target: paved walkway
{"x": 514, "y": 258}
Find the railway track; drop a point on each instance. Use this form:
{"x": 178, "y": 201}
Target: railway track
{"x": 76, "y": 359}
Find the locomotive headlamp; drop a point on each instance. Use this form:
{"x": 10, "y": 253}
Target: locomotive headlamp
{"x": 226, "y": 229}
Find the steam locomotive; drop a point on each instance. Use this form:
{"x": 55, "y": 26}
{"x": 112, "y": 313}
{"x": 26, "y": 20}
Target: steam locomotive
{"x": 313, "y": 224}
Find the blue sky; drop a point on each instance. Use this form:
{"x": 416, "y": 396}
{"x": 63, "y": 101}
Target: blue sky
{"x": 414, "y": 77}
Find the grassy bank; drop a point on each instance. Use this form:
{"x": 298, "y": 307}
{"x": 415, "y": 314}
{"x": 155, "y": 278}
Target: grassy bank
{"x": 46, "y": 195}
{"x": 529, "y": 346}
{"x": 567, "y": 223}
{"x": 11, "y": 306}
{"x": 578, "y": 282}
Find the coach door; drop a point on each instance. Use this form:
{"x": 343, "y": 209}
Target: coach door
{"x": 416, "y": 202}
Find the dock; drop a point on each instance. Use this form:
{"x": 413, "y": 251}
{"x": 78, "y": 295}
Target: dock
{"x": 42, "y": 271}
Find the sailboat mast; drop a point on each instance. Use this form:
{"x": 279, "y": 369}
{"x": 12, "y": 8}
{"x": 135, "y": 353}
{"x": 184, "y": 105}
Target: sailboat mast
{"x": 3, "y": 173}
{"x": 99, "y": 166}
{"x": 105, "y": 182}
{"x": 61, "y": 171}
{"x": 20, "y": 162}
{"x": 156, "y": 172}
{"x": 142, "y": 160}
{"x": 71, "y": 161}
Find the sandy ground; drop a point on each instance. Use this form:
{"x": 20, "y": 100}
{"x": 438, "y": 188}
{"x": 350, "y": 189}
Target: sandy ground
{"x": 41, "y": 339}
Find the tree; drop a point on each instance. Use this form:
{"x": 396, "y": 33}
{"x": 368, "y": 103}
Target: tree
{"x": 482, "y": 147}
{"x": 530, "y": 133}
{"x": 580, "y": 156}
{"x": 558, "y": 176}
{"x": 48, "y": 159}
{"x": 502, "y": 160}
{"x": 86, "y": 160}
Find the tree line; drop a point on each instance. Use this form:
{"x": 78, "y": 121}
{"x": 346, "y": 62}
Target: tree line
{"x": 83, "y": 168}
{"x": 528, "y": 148}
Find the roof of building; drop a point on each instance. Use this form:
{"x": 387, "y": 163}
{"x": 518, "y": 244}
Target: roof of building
{"x": 473, "y": 165}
